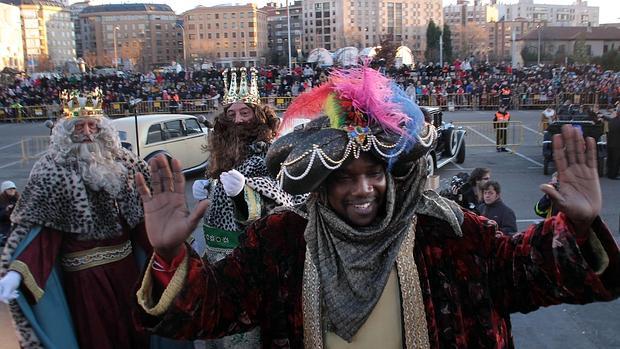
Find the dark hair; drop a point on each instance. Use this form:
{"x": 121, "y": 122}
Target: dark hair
{"x": 477, "y": 174}
{"x": 492, "y": 184}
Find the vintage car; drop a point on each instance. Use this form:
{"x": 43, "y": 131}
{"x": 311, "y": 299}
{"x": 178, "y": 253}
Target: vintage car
{"x": 177, "y": 136}
{"x": 588, "y": 127}
{"x": 450, "y": 145}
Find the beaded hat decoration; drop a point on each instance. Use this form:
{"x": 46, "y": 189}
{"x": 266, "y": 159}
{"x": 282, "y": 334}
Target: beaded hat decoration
{"x": 356, "y": 110}
{"x": 88, "y": 104}
{"x": 244, "y": 94}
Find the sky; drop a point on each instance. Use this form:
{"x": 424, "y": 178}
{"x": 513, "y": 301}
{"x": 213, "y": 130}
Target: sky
{"x": 609, "y": 10}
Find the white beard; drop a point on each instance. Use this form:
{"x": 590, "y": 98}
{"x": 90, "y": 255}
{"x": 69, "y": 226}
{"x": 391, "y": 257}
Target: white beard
{"x": 98, "y": 167}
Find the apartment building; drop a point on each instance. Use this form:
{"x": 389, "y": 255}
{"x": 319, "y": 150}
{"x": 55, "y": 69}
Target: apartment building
{"x": 47, "y": 33}
{"x": 278, "y": 33}
{"x": 501, "y": 36}
{"x": 577, "y": 14}
{"x": 366, "y": 23}
{"x": 226, "y": 35}
{"x": 470, "y": 25}
{"x": 11, "y": 46}
{"x": 76, "y": 9}
{"x": 146, "y": 36}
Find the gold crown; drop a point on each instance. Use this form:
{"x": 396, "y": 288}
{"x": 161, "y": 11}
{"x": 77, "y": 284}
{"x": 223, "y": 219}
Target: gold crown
{"x": 231, "y": 95}
{"x": 87, "y": 105}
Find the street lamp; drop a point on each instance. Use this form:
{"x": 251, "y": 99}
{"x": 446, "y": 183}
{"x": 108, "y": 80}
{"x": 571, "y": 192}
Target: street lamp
{"x": 115, "y": 51}
{"x": 538, "y": 28}
{"x": 183, "y": 41}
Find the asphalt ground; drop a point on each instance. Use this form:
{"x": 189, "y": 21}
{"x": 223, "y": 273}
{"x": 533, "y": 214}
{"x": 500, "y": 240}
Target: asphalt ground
{"x": 519, "y": 172}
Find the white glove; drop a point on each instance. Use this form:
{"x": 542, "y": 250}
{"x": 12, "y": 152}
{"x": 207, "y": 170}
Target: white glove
{"x": 8, "y": 286}
{"x": 233, "y": 182}
{"x": 199, "y": 189}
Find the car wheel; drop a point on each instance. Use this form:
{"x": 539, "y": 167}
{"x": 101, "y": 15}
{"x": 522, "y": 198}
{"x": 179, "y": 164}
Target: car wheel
{"x": 454, "y": 142}
{"x": 430, "y": 165}
{"x": 460, "y": 157}
{"x": 157, "y": 153}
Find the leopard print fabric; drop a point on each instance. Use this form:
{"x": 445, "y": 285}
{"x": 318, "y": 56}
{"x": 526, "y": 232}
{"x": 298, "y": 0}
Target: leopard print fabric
{"x": 221, "y": 212}
{"x": 57, "y": 197}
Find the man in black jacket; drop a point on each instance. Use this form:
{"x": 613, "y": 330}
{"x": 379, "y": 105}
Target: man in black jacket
{"x": 613, "y": 145}
{"x": 494, "y": 208}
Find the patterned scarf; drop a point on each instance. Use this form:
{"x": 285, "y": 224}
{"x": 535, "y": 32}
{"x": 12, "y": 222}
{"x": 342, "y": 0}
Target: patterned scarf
{"x": 354, "y": 263}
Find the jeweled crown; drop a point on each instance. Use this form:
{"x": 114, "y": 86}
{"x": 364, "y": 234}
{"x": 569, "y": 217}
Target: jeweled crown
{"x": 76, "y": 105}
{"x": 245, "y": 95}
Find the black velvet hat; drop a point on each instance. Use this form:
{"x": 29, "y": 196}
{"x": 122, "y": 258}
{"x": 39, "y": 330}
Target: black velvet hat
{"x": 355, "y": 110}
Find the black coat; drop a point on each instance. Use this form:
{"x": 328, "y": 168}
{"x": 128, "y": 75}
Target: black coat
{"x": 502, "y": 214}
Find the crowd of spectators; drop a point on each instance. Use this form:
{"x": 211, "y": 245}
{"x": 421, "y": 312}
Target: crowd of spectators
{"x": 422, "y": 82}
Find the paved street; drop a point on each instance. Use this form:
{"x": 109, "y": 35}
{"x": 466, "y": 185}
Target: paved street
{"x": 519, "y": 173}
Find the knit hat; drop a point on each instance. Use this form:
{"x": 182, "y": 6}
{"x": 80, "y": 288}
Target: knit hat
{"x": 355, "y": 110}
{"x": 7, "y": 185}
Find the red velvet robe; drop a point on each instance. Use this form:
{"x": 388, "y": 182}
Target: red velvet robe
{"x": 99, "y": 298}
{"x": 470, "y": 284}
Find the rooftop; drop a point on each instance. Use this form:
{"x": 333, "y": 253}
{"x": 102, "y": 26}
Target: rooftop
{"x": 574, "y": 33}
{"x": 128, "y": 8}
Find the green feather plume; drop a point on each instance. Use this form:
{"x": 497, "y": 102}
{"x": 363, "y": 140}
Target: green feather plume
{"x": 334, "y": 111}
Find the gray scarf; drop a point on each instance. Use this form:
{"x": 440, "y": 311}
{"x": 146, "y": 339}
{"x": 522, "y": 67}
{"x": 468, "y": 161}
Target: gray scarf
{"x": 354, "y": 263}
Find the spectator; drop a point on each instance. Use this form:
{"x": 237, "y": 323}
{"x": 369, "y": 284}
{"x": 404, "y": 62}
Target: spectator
{"x": 544, "y": 207}
{"x": 471, "y": 192}
{"x": 613, "y": 145}
{"x": 546, "y": 117}
{"x": 8, "y": 198}
{"x": 500, "y": 124}
{"x": 494, "y": 208}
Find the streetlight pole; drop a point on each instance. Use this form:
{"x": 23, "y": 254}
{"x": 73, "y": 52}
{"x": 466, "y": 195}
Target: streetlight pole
{"x": 538, "y": 27}
{"x": 183, "y": 42}
{"x": 513, "y": 48}
{"x": 441, "y": 50}
{"x": 288, "y": 18}
{"x": 115, "y": 51}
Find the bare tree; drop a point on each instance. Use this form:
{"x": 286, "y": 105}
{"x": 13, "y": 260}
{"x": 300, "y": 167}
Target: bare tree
{"x": 473, "y": 39}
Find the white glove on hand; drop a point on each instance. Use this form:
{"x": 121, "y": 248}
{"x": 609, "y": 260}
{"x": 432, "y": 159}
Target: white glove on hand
{"x": 8, "y": 286}
{"x": 233, "y": 182}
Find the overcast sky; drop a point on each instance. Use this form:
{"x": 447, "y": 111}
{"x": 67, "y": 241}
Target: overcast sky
{"x": 609, "y": 10}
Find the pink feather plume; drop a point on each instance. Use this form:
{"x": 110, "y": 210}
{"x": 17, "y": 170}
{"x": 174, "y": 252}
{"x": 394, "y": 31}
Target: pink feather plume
{"x": 371, "y": 93}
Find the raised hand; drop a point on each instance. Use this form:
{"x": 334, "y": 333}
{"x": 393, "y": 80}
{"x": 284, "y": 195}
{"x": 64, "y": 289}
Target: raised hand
{"x": 233, "y": 182}
{"x": 166, "y": 216}
{"x": 579, "y": 195}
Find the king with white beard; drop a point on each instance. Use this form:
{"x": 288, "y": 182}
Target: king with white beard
{"x": 69, "y": 267}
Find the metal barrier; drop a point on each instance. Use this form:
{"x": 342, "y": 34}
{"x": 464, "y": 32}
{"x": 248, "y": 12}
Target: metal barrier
{"x": 485, "y": 101}
{"x": 277, "y": 103}
{"x": 34, "y": 147}
{"x": 485, "y": 133}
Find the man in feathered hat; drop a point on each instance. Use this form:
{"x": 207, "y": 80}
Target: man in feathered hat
{"x": 242, "y": 189}
{"x": 371, "y": 260}
{"x": 71, "y": 255}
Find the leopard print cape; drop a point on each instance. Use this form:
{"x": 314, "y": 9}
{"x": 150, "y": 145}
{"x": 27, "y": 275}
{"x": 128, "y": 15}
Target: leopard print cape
{"x": 57, "y": 197}
{"x": 221, "y": 212}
